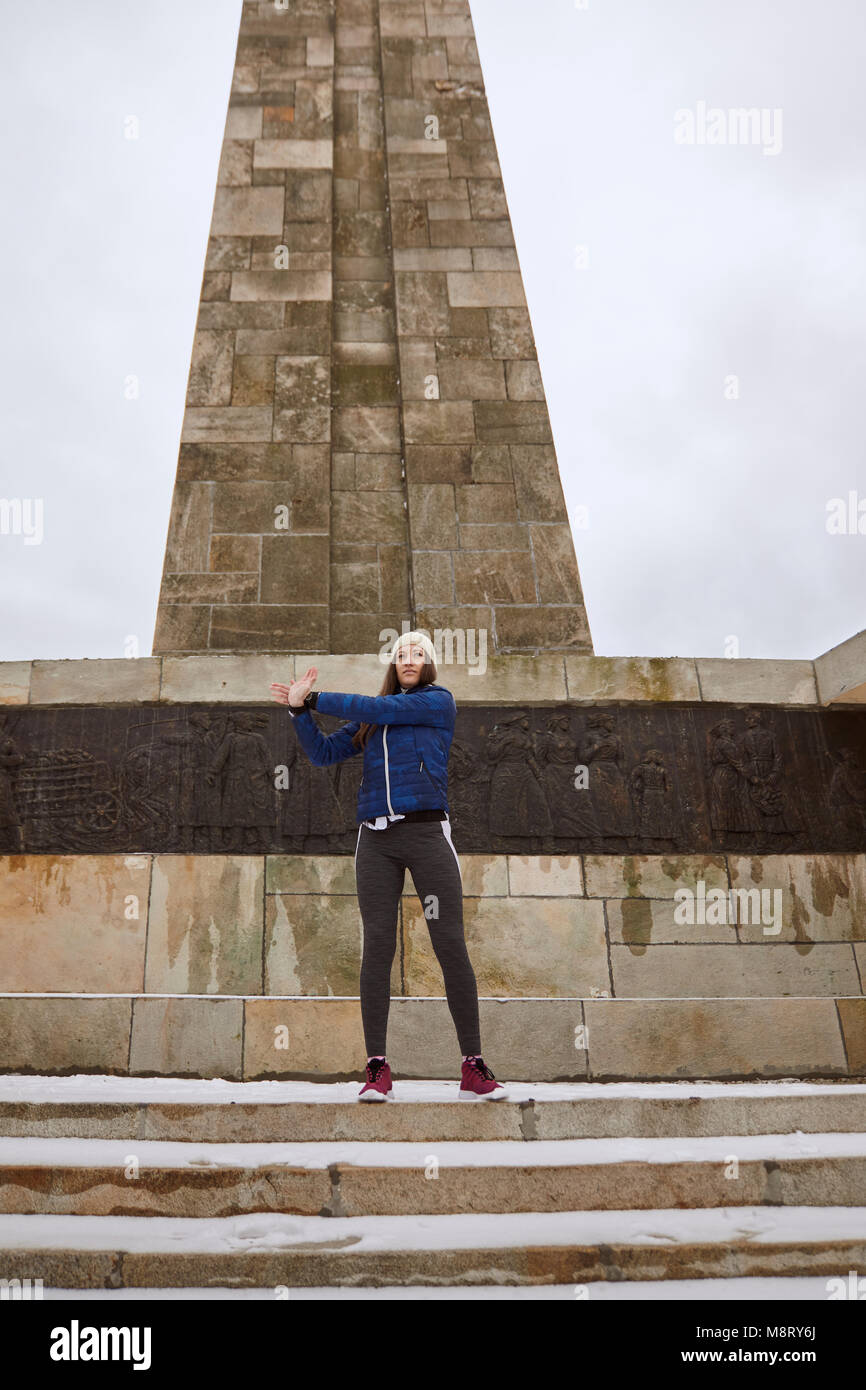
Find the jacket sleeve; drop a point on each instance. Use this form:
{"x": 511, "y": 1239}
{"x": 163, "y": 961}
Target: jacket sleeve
{"x": 437, "y": 707}
{"x": 324, "y": 749}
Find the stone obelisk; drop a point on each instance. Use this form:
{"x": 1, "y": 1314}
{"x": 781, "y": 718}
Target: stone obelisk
{"x": 366, "y": 440}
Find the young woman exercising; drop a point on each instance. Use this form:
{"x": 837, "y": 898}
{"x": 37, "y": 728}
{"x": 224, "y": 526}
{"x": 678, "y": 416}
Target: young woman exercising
{"x": 405, "y": 733}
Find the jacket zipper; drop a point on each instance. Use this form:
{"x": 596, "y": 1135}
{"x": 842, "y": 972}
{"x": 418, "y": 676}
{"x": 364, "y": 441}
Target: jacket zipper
{"x": 387, "y": 779}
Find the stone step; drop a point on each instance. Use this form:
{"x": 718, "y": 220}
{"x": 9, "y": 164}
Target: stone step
{"x": 160, "y": 1108}
{"x": 271, "y": 1250}
{"x": 579, "y": 1039}
{"x": 96, "y": 1177}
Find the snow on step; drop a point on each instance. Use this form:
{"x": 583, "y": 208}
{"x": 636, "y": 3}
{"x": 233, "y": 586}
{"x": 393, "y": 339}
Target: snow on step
{"x": 87, "y": 1089}
{"x": 114, "y": 1154}
{"x": 274, "y": 1232}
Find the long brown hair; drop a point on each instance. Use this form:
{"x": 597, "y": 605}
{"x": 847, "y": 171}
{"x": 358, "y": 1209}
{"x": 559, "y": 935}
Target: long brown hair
{"x": 390, "y": 686}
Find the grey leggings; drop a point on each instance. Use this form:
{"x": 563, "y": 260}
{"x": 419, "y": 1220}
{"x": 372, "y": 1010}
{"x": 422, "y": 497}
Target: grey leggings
{"x": 381, "y": 860}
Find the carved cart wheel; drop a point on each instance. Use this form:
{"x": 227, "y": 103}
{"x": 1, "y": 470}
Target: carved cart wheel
{"x": 101, "y": 811}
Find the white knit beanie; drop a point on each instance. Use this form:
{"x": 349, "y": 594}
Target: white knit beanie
{"x": 413, "y": 639}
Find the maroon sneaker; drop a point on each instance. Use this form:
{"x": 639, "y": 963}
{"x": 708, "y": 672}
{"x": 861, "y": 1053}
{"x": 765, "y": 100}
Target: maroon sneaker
{"x": 479, "y": 1083}
{"x": 378, "y": 1083}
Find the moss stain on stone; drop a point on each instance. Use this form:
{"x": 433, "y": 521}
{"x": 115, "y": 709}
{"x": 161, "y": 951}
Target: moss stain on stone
{"x": 827, "y": 885}
{"x": 637, "y": 924}
{"x": 631, "y": 875}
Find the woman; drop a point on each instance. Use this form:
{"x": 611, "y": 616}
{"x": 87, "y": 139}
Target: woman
{"x": 405, "y": 733}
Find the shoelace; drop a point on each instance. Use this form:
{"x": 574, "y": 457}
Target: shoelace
{"x": 481, "y": 1066}
{"x": 373, "y": 1069}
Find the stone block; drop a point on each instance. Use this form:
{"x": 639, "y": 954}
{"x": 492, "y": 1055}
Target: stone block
{"x": 250, "y": 508}
{"x": 210, "y": 376}
{"x": 371, "y": 516}
{"x": 433, "y": 258}
{"x": 367, "y": 429}
{"x": 471, "y": 380}
{"x": 210, "y": 588}
{"x": 432, "y": 517}
{"x": 302, "y": 399}
{"x": 204, "y": 931}
{"x": 534, "y": 946}
{"x": 332, "y": 874}
{"x": 638, "y": 922}
{"x": 313, "y": 945}
{"x": 823, "y": 896}
{"x": 523, "y": 628}
{"x": 652, "y": 876}
{"x": 545, "y": 875}
{"x": 852, "y": 1016}
{"x": 737, "y": 970}
{"x": 840, "y": 673}
{"x": 243, "y": 122}
{"x": 504, "y": 679}
{"x": 73, "y": 923}
{"x": 779, "y": 682}
{"x": 223, "y": 424}
{"x": 417, "y": 365}
{"x": 422, "y": 303}
{"x": 497, "y": 536}
{"x": 239, "y": 554}
{"x": 517, "y": 423}
{"x": 511, "y": 334}
{"x": 433, "y": 576}
{"x": 104, "y": 681}
{"x": 422, "y": 1040}
{"x": 494, "y": 258}
{"x": 486, "y": 502}
{"x": 594, "y": 679}
{"x": 494, "y": 576}
{"x": 483, "y": 289}
{"x": 321, "y": 1039}
{"x": 252, "y": 380}
{"x": 438, "y": 422}
{"x": 281, "y": 285}
{"x": 294, "y": 569}
{"x": 14, "y": 682}
{"x": 66, "y": 1036}
{"x": 309, "y": 197}
{"x": 187, "y": 1037}
{"x": 293, "y": 154}
{"x": 180, "y": 628}
{"x": 536, "y": 479}
{"x": 555, "y": 564}
{"x": 524, "y": 381}
{"x": 236, "y": 679}
{"x": 248, "y": 212}
{"x": 279, "y": 627}
{"x": 725, "y": 1038}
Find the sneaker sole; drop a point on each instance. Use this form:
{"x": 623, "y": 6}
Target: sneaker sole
{"x": 490, "y": 1095}
{"x": 376, "y": 1095}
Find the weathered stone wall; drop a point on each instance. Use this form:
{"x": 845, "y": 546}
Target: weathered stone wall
{"x": 536, "y": 926}
{"x": 247, "y": 966}
{"x": 366, "y": 440}
{"x": 202, "y": 964}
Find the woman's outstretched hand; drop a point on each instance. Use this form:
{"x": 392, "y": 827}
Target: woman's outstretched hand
{"x": 297, "y": 692}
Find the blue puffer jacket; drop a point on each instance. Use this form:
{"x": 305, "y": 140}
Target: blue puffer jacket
{"x": 406, "y": 758}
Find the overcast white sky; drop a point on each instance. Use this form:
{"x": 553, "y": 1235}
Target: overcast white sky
{"x": 706, "y": 515}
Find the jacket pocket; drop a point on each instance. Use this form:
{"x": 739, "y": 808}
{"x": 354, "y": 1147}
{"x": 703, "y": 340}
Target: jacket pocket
{"x": 434, "y": 785}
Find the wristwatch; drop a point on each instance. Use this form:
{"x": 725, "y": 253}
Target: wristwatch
{"x": 309, "y": 703}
